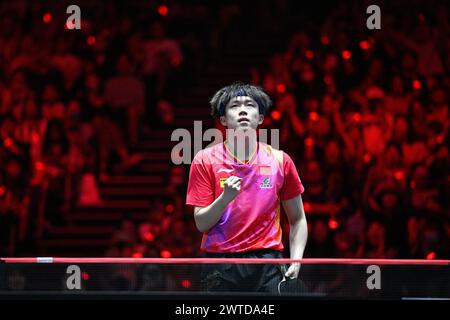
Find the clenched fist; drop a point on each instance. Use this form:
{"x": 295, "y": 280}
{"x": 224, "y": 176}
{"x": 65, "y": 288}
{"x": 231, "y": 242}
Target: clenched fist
{"x": 232, "y": 187}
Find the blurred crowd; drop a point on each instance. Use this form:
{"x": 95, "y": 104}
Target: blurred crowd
{"x": 365, "y": 116}
{"x": 74, "y": 103}
{"x": 363, "y": 113}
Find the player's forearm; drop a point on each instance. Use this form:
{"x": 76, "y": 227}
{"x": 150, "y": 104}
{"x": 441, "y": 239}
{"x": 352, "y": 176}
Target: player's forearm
{"x": 298, "y": 236}
{"x": 208, "y": 216}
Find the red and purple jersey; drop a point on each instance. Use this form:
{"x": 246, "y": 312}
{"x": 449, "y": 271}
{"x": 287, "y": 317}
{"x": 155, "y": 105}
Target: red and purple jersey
{"x": 251, "y": 221}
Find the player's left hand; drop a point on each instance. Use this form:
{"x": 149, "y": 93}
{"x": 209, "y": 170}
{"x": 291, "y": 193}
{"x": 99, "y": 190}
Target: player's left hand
{"x": 292, "y": 272}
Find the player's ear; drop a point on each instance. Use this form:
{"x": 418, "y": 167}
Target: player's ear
{"x": 223, "y": 121}
{"x": 261, "y": 119}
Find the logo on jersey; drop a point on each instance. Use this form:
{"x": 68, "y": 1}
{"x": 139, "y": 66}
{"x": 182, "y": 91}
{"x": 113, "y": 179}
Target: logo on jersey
{"x": 222, "y": 182}
{"x": 224, "y": 170}
{"x": 266, "y": 184}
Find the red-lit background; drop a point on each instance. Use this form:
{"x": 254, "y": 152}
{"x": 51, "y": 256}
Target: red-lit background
{"x": 86, "y": 117}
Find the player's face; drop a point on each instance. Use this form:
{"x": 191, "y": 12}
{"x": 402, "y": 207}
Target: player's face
{"x": 242, "y": 112}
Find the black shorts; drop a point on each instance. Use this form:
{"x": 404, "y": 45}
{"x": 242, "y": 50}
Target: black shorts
{"x": 243, "y": 277}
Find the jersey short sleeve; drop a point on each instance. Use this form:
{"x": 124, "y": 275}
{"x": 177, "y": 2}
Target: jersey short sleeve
{"x": 292, "y": 185}
{"x": 200, "y": 191}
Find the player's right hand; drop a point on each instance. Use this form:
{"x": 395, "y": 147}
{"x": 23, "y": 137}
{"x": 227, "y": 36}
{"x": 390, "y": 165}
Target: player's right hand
{"x": 232, "y": 187}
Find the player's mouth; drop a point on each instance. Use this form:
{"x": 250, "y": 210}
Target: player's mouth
{"x": 240, "y": 120}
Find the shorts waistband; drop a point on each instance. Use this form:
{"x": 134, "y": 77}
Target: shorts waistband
{"x": 243, "y": 254}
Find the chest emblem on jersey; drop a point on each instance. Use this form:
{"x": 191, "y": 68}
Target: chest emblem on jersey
{"x": 222, "y": 182}
{"x": 266, "y": 184}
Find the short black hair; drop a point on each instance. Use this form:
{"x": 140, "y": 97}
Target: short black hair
{"x": 222, "y": 97}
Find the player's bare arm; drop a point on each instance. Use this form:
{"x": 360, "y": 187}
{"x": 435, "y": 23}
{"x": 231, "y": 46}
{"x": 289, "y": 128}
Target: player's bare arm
{"x": 298, "y": 233}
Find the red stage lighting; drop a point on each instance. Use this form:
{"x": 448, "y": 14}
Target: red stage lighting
{"x": 90, "y": 40}
{"x": 163, "y": 10}
{"x": 431, "y": 255}
{"x": 276, "y": 115}
{"x": 166, "y": 254}
{"x": 39, "y": 165}
{"x": 416, "y": 85}
{"x": 356, "y": 117}
{"x": 346, "y": 55}
{"x": 309, "y": 54}
{"x": 364, "y": 44}
{"x": 333, "y": 224}
{"x": 309, "y": 142}
{"x": 399, "y": 175}
{"x": 148, "y": 236}
{"x": 47, "y": 17}
{"x": 306, "y": 206}
{"x": 281, "y": 88}
{"x": 185, "y": 283}
{"x": 2, "y": 190}
{"x": 313, "y": 116}
{"x": 35, "y": 138}
{"x": 8, "y": 142}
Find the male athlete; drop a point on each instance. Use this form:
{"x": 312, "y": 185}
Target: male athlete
{"x": 236, "y": 188}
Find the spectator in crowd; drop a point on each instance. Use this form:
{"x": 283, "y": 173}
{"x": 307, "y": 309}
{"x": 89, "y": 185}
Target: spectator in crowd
{"x": 125, "y": 93}
{"x": 163, "y": 56}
